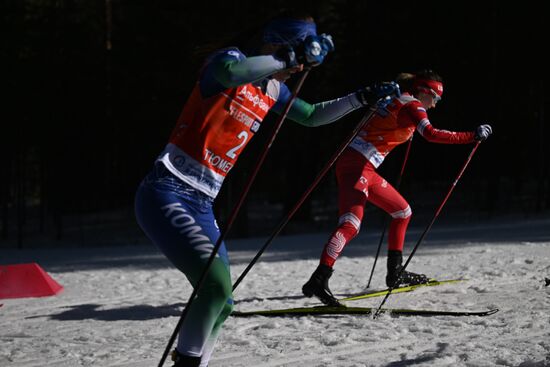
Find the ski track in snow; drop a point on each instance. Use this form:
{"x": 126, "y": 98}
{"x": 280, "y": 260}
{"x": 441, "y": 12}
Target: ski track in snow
{"x": 121, "y": 313}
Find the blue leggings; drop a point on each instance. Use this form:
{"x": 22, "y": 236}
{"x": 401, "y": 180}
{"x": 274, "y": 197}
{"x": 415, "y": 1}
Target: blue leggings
{"x": 181, "y": 223}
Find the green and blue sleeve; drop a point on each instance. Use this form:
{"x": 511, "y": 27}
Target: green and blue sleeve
{"x": 229, "y": 68}
{"x": 318, "y": 114}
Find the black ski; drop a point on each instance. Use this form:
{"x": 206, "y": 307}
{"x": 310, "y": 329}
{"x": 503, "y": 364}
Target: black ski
{"x": 327, "y": 310}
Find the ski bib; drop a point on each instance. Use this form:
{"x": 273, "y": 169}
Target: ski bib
{"x": 383, "y": 133}
{"x": 212, "y": 132}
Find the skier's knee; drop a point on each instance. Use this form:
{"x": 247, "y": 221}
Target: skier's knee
{"x": 219, "y": 289}
{"x": 402, "y": 214}
{"x": 350, "y": 223}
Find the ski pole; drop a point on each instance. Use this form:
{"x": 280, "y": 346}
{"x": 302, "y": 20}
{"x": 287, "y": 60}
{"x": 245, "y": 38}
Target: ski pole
{"x": 366, "y": 118}
{"x": 233, "y": 215}
{"x": 390, "y": 290}
{"x": 386, "y": 221}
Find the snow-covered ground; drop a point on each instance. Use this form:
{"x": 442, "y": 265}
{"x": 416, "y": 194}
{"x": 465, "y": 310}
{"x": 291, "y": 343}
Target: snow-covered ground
{"x": 121, "y": 304}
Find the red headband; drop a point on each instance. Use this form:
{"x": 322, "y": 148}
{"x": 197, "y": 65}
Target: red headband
{"x": 435, "y": 86}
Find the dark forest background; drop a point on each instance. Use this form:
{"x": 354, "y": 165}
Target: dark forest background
{"x": 92, "y": 90}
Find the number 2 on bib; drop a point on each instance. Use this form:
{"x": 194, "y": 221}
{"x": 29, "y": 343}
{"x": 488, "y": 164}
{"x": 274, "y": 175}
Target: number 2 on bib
{"x": 243, "y": 136}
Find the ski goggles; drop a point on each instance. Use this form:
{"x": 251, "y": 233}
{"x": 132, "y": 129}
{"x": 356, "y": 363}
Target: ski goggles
{"x": 436, "y": 97}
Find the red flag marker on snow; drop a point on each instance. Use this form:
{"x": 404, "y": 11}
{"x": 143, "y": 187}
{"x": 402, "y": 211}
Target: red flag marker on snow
{"x": 26, "y": 280}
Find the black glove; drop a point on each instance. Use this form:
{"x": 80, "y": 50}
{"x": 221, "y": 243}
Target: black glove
{"x": 482, "y": 132}
{"x": 378, "y": 93}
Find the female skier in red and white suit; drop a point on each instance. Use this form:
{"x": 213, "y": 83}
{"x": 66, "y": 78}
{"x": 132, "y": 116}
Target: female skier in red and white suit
{"x": 359, "y": 183}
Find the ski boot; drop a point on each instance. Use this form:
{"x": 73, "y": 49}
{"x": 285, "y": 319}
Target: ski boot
{"x": 395, "y": 260}
{"x": 317, "y": 286}
{"x": 181, "y": 360}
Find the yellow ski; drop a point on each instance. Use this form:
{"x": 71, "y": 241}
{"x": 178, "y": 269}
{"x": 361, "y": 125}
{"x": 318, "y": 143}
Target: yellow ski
{"x": 409, "y": 288}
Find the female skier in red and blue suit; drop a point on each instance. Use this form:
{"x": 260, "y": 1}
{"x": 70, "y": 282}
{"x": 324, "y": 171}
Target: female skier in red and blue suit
{"x": 234, "y": 92}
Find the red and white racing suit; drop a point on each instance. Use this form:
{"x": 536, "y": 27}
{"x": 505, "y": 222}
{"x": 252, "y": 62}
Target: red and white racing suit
{"x": 358, "y": 181}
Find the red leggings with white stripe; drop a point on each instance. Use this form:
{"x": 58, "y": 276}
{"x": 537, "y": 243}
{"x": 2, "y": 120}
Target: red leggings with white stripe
{"x": 358, "y": 182}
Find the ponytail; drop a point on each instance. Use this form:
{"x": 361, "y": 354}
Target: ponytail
{"x": 405, "y": 81}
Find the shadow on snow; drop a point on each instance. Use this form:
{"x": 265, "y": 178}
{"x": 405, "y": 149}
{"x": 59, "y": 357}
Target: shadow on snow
{"x": 132, "y": 313}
